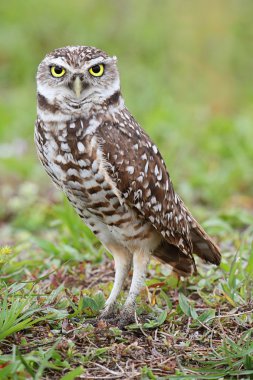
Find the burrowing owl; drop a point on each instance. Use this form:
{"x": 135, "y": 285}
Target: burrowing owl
{"x": 111, "y": 172}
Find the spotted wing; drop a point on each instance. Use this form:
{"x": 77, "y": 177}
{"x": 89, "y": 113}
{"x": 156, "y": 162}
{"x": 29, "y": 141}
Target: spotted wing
{"x": 139, "y": 171}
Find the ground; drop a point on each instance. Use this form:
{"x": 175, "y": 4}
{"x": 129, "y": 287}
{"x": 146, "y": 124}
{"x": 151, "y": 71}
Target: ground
{"x": 57, "y": 276}
{"x": 186, "y": 70}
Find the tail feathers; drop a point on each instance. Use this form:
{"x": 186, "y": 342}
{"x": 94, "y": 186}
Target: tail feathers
{"x": 170, "y": 254}
{"x": 203, "y": 245}
{"x": 183, "y": 263}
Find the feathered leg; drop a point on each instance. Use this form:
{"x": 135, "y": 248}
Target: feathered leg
{"x": 140, "y": 263}
{"x": 123, "y": 262}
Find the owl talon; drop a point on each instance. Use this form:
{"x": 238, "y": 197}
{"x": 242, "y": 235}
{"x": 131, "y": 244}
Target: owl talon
{"x": 126, "y": 318}
{"x": 109, "y": 312}
{"x": 124, "y": 322}
{"x": 107, "y": 316}
{"x": 111, "y": 321}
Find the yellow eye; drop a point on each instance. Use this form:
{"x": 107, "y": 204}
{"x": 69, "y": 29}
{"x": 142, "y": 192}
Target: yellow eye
{"x": 97, "y": 70}
{"x": 57, "y": 71}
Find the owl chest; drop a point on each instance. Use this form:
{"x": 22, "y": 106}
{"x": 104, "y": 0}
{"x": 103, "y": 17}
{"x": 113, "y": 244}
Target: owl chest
{"x": 77, "y": 167}
{"x": 70, "y": 163}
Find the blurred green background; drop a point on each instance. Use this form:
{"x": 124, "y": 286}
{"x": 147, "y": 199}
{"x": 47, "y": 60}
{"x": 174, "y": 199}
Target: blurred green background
{"x": 186, "y": 73}
{"x": 187, "y": 77}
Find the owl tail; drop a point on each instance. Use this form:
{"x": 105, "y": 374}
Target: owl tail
{"x": 184, "y": 264}
{"x": 170, "y": 254}
{"x": 203, "y": 245}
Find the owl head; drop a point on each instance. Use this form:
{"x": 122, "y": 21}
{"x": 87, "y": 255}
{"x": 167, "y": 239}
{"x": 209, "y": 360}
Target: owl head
{"x": 75, "y": 78}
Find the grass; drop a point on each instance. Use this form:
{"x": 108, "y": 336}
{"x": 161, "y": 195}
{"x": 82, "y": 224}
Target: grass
{"x": 190, "y": 64}
{"x": 199, "y": 329}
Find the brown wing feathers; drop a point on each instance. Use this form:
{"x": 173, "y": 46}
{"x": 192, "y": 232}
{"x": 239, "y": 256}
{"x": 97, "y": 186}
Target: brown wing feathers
{"x": 141, "y": 176}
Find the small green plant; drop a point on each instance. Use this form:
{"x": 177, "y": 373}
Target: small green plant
{"x": 5, "y": 255}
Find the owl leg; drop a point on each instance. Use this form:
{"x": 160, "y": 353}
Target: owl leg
{"x": 123, "y": 262}
{"x": 140, "y": 264}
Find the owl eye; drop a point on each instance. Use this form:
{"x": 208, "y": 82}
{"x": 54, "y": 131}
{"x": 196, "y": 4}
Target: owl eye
{"x": 97, "y": 70}
{"x": 57, "y": 71}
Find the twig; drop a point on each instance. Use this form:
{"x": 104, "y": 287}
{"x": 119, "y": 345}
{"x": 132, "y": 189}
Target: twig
{"x": 231, "y": 315}
{"x": 139, "y": 325}
{"x": 109, "y": 370}
{"x": 121, "y": 369}
{"x": 188, "y": 325}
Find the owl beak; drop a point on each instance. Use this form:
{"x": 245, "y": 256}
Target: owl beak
{"x": 77, "y": 86}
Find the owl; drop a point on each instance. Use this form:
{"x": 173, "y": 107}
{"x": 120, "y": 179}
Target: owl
{"x": 111, "y": 172}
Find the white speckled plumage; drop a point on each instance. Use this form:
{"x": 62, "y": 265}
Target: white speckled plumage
{"x": 111, "y": 172}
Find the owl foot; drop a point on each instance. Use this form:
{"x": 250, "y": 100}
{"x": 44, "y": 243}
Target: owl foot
{"x": 126, "y": 318}
{"x": 108, "y": 314}
{"x": 111, "y": 321}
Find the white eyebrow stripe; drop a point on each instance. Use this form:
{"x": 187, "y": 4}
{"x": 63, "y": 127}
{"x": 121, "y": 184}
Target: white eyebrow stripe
{"x": 96, "y": 61}
{"x": 59, "y": 62}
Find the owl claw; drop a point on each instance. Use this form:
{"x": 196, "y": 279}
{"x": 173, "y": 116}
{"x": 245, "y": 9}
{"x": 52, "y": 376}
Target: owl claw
{"x": 111, "y": 321}
{"x": 107, "y": 315}
{"x": 125, "y": 319}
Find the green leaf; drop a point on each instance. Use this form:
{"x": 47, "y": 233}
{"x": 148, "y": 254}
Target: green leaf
{"x": 24, "y": 362}
{"x": 166, "y": 299}
{"x": 153, "y": 323}
{"x": 146, "y": 373}
{"x": 54, "y": 294}
{"x": 248, "y": 362}
{"x": 249, "y": 267}
{"x": 8, "y": 371}
{"x": 90, "y": 303}
{"x": 16, "y": 287}
{"x": 162, "y": 317}
{"x": 100, "y": 300}
{"x": 186, "y": 307}
{"x": 73, "y": 374}
{"x": 206, "y": 316}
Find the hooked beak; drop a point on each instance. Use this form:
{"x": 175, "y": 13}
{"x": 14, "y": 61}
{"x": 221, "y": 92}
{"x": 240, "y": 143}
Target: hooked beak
{"x": 77, "y": 86}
